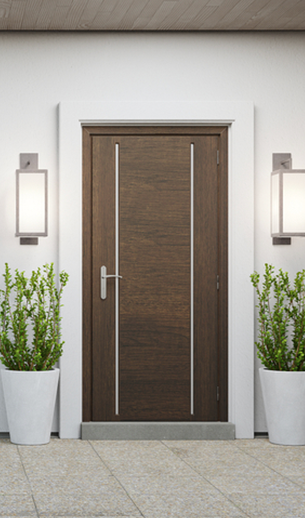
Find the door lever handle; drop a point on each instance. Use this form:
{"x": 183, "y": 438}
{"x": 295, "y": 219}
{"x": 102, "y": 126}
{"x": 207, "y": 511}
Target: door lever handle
{"x": 104, "y": 278}
{"x": 115, "y": 276}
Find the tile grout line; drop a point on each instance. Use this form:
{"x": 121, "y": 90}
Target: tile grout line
{"x": 26, "y": 475}
{"x": 208, "y": 481}
{"x": 114, "y": 476}
{"x": 272, "y": 469}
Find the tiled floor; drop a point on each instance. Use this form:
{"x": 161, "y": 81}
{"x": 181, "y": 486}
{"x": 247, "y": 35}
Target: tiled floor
{"x": 152, "y": 479}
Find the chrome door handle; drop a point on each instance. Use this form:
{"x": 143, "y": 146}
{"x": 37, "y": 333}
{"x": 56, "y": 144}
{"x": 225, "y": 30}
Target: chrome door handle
{"x": 104, "y": 278}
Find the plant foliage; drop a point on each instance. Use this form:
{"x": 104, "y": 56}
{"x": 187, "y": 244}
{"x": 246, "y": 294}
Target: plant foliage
{"x": 35, "y": 305}
{"x": 281, "y": 310}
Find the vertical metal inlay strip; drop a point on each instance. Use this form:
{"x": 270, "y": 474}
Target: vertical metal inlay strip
{"x": 192, "y": 281}
{"x": 117, "y": 177}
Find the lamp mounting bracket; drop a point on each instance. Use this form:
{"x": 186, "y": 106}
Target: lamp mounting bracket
{"x": 281, "y": 161}
{"x": 28, "y": 161}
{"x": 281, "y": 240}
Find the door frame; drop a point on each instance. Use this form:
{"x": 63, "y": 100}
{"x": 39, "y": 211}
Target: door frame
{"x": 222, "y": 251}
{"x": 239, "y": 117}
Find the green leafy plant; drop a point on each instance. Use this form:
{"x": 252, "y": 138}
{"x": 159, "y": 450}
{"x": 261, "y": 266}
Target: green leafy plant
{"x": 36, "y": 308}
{"x": 281, "y": 316}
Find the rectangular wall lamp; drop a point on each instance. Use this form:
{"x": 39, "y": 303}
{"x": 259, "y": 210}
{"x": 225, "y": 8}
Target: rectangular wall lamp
{"x": 287, "y": 200}
{"x": 31, "y": 200}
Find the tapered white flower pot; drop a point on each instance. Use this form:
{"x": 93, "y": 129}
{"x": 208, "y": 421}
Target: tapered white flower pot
{"x": 284, "y": 401}
{"x": 30, "y": 400}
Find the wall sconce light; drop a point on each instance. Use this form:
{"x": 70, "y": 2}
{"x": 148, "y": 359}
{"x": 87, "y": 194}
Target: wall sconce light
{"x": 287, "y": 200}
{"x": 31, "y": 200}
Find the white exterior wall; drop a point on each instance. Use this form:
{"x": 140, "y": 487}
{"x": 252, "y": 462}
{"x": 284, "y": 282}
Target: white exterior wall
{"x": 39, "y": 71}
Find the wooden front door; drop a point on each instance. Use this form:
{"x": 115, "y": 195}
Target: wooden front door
{"x": 155, "y": 213}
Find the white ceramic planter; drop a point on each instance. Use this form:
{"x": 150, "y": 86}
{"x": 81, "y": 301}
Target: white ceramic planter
{"x": 30, "y": 400}
{"x": 284, "y": 401}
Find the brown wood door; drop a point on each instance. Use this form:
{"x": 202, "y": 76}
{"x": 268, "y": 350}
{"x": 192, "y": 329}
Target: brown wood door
{"x": 155, "y": 212}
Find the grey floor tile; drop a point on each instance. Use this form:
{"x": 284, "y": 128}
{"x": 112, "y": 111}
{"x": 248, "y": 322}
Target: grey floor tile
{"x": 187, "y": 503}
{"x": 279, "y": 505}
{"x": 67, "y": 464}
{"x": 220, "y": 465}
{"x": 284, "y": 460}
{"x": 161, "y": 484}
{"x": 259, "y": 443}
{"x": 152, "y": 479}
{"x": 12, "y": 477}
{"x": 80, "y": 505}
{"x": 6, "y": 442}
{"x": 298, "y": 480}
{"x": 255, "y": 485}
{"x": 109, "y": 499}
{"x": 140, "y": 457}
{"x": 68, "y": 477}
{"x": 79, "y": 494}
{"x": 17, "y": 505}
{"x": 206, "y": 445}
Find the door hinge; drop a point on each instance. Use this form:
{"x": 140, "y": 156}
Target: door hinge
{"x": 218, "y": 282}
{"x": 217, "y": 393}
{"x": 217, "y": 156}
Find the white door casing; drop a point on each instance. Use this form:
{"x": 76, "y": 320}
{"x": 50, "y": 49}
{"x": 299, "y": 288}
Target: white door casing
{"x": 239, "y": 117}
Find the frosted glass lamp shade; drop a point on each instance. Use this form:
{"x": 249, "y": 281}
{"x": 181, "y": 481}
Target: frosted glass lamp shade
{"x": 31, "y": 203}
{"x": 288, "y": 203}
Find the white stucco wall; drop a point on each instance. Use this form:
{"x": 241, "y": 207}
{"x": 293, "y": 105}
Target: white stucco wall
{"x": 38, "y": 71}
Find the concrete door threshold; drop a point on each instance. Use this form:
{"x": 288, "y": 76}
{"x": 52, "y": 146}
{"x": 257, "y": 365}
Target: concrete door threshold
{"x": 149, "y": 431}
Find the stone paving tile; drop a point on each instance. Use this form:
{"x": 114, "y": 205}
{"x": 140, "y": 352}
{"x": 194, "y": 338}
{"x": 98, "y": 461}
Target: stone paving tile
{"x": 233, "y": 470}
{"x": 106, "y": 497}
{"x": 298, "y": 480}
{"x": 12, "y": 477}
{"x": 56, "y": 450}
{"x": 68, "y": 477}
{"x": 102, "y": 504}
{"x": 288, "y": 461}
{"x": 160, "y": 483}
{"x": 65, "y": 459}
{"x": 155, "y": 503}
{"x": 140, "y": 457}
{"x": 260, "y": 443}
{"x": 279, "y": 505}
{"x": 144, "y": 458}
{"x": 153, "y": 479}
{"x": 17, "y": 505}
{"x": 253, "y": 485}
{"x": 215, "y": 460}
{"x": 6, "y": 442}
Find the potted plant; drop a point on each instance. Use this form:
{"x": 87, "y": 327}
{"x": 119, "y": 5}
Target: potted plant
{"x": 29, "y": 348}
{"x": 281, "y": 349}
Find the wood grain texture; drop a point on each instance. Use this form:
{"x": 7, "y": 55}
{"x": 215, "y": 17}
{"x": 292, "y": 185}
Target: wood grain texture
{"x": 74, "y": 15}
{"x": 30, "y": 15}
{"x": 152, "y": 15}
{"x": 132, "y": 14}
{"x": 103, "y": 254}
{"x": 205, "y": 272}
{"x": 16, "y": 13}
{"x": 155, "y": 265}
{"x": 161, "y": 14}
{"x": 154, "y": 294}
{"x": 89, "y": 13}
{"x": 118, "y": 14}
{"x": 44, "y": 15}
